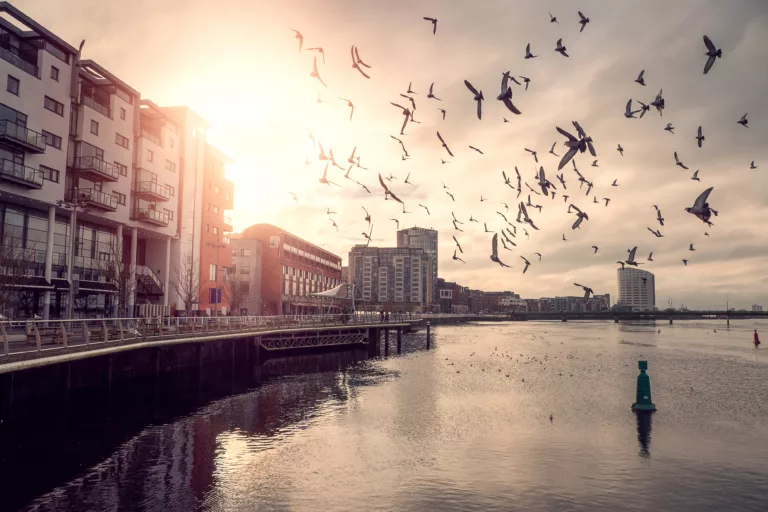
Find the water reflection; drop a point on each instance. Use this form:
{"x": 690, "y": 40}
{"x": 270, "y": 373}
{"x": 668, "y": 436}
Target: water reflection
{"x": 644, "y": 426}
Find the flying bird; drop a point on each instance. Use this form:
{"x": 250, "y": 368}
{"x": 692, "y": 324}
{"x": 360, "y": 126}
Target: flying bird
{"x": 695, "y": 176}
{"x": 631, "y": 259}
{"x": 366, "y": 188}
{"x": 690, "y": 248}
{"x": 434, "y": 24}
{"x": 583, "y": 20}
{"x": 528, "y": 54}
{"x": 478, "y": 98}
{"x": 315, "y": 74}
{"x": 753, "y": 166}
{"x": 444, "y": 144}
{"x": 564, "y": 239}
{"x": 442, "y": 111}
{"x": 679, "y": 163}
{"x": 539, "y": 255}
{"x": 553, "y": 19}
{"x": 298, "y": 36}
{"x": 620, "y": 150}
{"x": 351, "y": 107}
{"x": 744, "y": 121}
{"x": 334, "y": 224}
{"x": 397, "y": 223}
{"x": 700, "y": 138}
{"x": 320, "y": 50}
{"x": 294, "y": 197}
{"x": 594, "y": 163}
{"x": 431, "y": 95}
{"x": 552, "y": 149}
{"x": 615, "y": 183}
{"x": 534, "y": 153}
{"x": 473, "y": 147}
{"x": 561, "y": 49}
{"x": 526, "y": 80}
{"x": 324, "y": 180}
{"x": 506, "y": 93}
{"x": 458, "y": 245}
{"x": 643, "y": 108}
{"x": 595, "y": 248}
{"x": 628, "y": 112}
{"x": 452, "y": 198}
{"x": 357, "y": 61}
{"x": 425, "y": 209}
{"x": 657, "y": 233}
{"x": 640, "y": 78}
{"x": 367, "y": 215}
{"x": 659, "y": 217}
{"x": 456, "y": 258}
{"x": 408, "y": 182}
{"x": 587, "y": 291}
{"x": 685, "y": 262}
{"x": 701, "y": 208}
{"x": 650, "y": 257}
{"x": 485, "y": 225}
{"x": 607, "y": 200}
{"x": 670, "y": 128}
{"x": 658, "y": 103}
{"x": 527, "y": 264}
{"x": 712, "y": 52}
{"x": 368, "y": 236}
{"x": 580, "y": 217}
{"x": 495, "y": 251}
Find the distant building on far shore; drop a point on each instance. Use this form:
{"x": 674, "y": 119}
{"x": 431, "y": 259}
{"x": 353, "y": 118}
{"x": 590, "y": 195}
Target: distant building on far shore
{"x": 637, "y": 289}
{"x": 757, "y": 307}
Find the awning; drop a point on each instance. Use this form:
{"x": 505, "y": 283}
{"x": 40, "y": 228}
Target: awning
{"x": 342, "y": 292}
{"x": 97, "y": 287}
{"x": 32, "y": 283}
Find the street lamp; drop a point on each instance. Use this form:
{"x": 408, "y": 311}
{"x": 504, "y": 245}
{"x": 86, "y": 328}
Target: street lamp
{"x": 218, "y": 250}
{"x": 74, "y": 203}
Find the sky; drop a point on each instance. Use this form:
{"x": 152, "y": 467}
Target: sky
{"x": 236, "y": 63}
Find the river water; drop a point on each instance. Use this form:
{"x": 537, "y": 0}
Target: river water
{"x": 464, "y": 426}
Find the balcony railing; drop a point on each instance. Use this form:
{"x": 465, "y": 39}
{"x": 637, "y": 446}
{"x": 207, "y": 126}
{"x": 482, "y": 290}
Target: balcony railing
{"x": 153, "y": 190}
{"x": 21, "y": 135}
{"x": 20, "y": 174}
{"x": 95, "y": 198}
{"x": 151, "y": 216}
{"x": 96, "y": 168}
{"x": 149, "y": 274}
{"x": 151, "y": 137}
{"x": 17, "y": 61}
{"x": 91, "y": 102}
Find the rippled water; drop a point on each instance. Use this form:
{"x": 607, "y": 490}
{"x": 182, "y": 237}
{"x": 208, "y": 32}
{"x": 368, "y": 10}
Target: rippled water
{"x": 464, "y": 426}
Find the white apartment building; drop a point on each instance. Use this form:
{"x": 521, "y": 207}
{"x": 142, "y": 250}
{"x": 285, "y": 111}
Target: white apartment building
{"x": 81, "y": 152}
{"x": 637, "y": 289}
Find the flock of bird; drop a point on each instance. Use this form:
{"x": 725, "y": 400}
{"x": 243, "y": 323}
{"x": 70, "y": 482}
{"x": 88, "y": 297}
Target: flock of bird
{"x": 574, "y": 143}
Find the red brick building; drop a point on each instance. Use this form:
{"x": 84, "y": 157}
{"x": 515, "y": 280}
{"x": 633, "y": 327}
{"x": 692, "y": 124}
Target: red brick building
{"x": 292, "y": 269}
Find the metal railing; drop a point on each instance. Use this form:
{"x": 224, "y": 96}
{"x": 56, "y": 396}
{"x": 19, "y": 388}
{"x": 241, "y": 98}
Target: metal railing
{"x": 49, "y": 336}
{"x": 21, "y": 173}
{"x": 22, "y": 134}
{"x": 94, "y": 196}
{"x": 150, "y": 215}
{"x": 97, "y": 165}
{"x": 149, "y": 187}
{"x": 151, "y": 137}
{"x": 91, "y": 102}
{"x": 147, "y": 272}
{"x": 8, "y": 56}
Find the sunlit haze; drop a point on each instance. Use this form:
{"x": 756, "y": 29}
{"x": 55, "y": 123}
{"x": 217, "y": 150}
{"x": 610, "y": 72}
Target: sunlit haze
{"x": 236, "y": 63}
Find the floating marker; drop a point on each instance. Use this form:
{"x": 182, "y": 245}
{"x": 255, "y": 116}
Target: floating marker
{"x": 643, "y": 402}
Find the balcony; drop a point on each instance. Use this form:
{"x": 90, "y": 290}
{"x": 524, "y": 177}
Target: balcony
{"x": 95, "y": 169}
{"x": 22, "y": 136}
{"x": 151, "y": 137}
{"x": 147, "y": 282}
{"x": 20, "y": 174}
{"x": 227, "y": 224}
{"x": 152, "y": 191}
{"x": 94, "y": 198}
{"x": 91, "y": 102}
{"x": 9, "y": 56}
{"x": 151, "y": 216}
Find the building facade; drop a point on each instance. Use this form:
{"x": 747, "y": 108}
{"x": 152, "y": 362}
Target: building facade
{"x": 389, "y": 278}
{"x": 291, "y": 270}
{"x": 757, "y": 308}
{"x": 90, "y": 177}
{"x": 426, "y": 239}
{"x": 453, "y": 297}
{"x": 242, "y": 291}
{"x": 637, "y": 289}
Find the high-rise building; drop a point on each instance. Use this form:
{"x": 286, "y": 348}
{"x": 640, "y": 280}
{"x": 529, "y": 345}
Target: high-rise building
{"x": 426, "y": 239}
{"x": 637, "y": 289}
{"x": 757, "y": 307}
{"x": 389, "y": 277}
{"x": 91, "y": 176}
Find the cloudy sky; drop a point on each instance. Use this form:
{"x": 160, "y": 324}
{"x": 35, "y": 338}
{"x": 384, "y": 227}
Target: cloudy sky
{"x": 236, "y": 63}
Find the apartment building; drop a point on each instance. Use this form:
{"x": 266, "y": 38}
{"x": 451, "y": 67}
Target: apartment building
{"x": 453, "y": 297}
{"x": 637, "y": 289}
{"x": 243, "y": 288}
{"x": 90, "y": 180}
{"x": 391, "y": 278}
{"x": 426, "y": 239}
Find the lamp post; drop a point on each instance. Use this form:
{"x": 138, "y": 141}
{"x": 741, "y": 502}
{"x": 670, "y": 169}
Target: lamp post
{"x": 218, "y": 246}
{"x": 74, "y": 203}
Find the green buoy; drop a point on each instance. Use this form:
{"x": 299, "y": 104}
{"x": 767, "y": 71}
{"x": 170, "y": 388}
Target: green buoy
{"x": 643, "y": 402}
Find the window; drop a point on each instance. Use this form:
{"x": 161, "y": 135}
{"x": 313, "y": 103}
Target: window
{"x": 122, "y": 113}
{"x": 150, "y": 155}
{"x": 171, "y": 141}
{"x": 207, "y": 228}
{"x": 13, "y": 85}
{"x": 170, "y": 166}
{"x": 171, "y": 190}
{"x": 226, "y": 240}
{"x": 212, "y": 272}
{"x": 94, "y": 127}
{"x": 121, "y": 141}
{"x": 97, "y": 186}
{"x": 245, "y": 269}
{"x": 215, "y": 209}
{"x": 55, "y": 73}
{"x": 215, "y": 230}
{"x": 50, "y": 174}
{"x": 52, "y": 140}
{"x": 216, "y": 189}
{"x": 122, "y": 169}
{"x": 245, "y": 252}
{"x": 120, "y": 197}
{"x": 274, "y": 241}
{"x": 54, "y": 106}
{"x": 169, "y": 213}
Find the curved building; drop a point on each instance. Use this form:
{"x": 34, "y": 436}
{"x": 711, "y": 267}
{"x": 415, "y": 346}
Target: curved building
{"x": 637, "y": 289}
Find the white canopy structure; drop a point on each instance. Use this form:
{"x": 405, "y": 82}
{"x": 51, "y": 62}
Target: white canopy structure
{"x": 344, "y": 292}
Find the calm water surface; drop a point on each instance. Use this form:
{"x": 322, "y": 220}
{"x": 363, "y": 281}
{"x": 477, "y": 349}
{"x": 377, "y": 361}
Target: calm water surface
{"x": 464, "y": 426}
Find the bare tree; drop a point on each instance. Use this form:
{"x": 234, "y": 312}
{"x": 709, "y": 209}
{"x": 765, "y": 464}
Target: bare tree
{"x": 185, "y": 280}
{"x": 237, "y": 292}
{"x": 118, "y": 272}
{"x": 15, "y": 265}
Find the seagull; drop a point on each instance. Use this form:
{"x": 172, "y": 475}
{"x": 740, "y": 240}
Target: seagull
{"x": 620, "y": 150}
{"x": 528, "y": 54}
{"x": 527, "y": 264}
{"x": 607, "y": 200}
{"x": 560, "y": 48}
{"x": 409, "y": 98}
{"x": 565, "y": 198}
{"x": 581, "y": 216}
{"x": 444, "y": 144}
{"x": 753, "y": 166}
{"x": 696, "y": 176}
{"x": 368, "y": 236}
{"x": 595, "y": 200}
{"x": 357, "y": 62}
{"x": 458, "y": 245}
{"x": 434, "y": 24}
{"x": 456, "y": 258}
{"x": 408, "y": 182}
{"x": 594, "y": 164}
{"x": 670, "y": 128}
{"x": 351, "y": 107}
{"x": 539, "y": 255}
{"x": 506, "y": 94}
{"x": 631, "y": 259}
{"x": 397, "y": 223}
{"x": 366, "y": 188}
{"x": 320, "y": 50}
{"x": 324, "y": 179}
{"x": 564, "y": 239}
{"x": 495, "y": 251}
{"x": 685, "y": 262}
{"x": 367, "y": 215}
{"x": 315, "y": 74}
{"x": 552, "y": 149}
{"x": 388, "y": 193}
{"x": 452, "y": 198}
{"x": 455, "y": 219}
{"x": 640, "y": 78}
{"x": 701, "y": 208}
{"x": 700, "y": 137}
{"x": 351, "y": 159}
{"x": 615, "y": 183}
{"x": 587, "y": 291}
{"x": 690, "y": 248}
{"x": 534, "y": 153}
{"x": 299, "y": 37}
{"x": 506, "y": 180}
{"x": 644, "y": 108}
{"x": 503, "y": 216}
{"x": 442, "y": 110}
{"x": 561, "y": 178}
{"x": 526, "y": 80}
{"x": 659, "y": 217}
{"x": 628, "y": 112}
{"x": 712, "y": 53}
{"x": 485, "y": 225}
{"x": 472, "y": 219}
{"x": 657, "y": 233}
{"x": 425, "y": 209}
{"x": 329, "y": 212}
{"x": 658, "y": 103}
{"x": 553, "y": 19}
{"x": 334, "y": 224}
{"x": 584, "y": 20}
{"x": 650, "y": 257}
{"x": 679, "y": 163}
{"x": 595, "y": 248}
{"x": 744, "y": 121}
{"x": 294, "y": 197}
{"x": 481, "y": 198}
{"x": 478, "y": 98}
{"x": 706, "y": 234}
{"x": 473, "y": 147}
{"x": 405, "y": 151}
{"x": 622, "y": 264}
